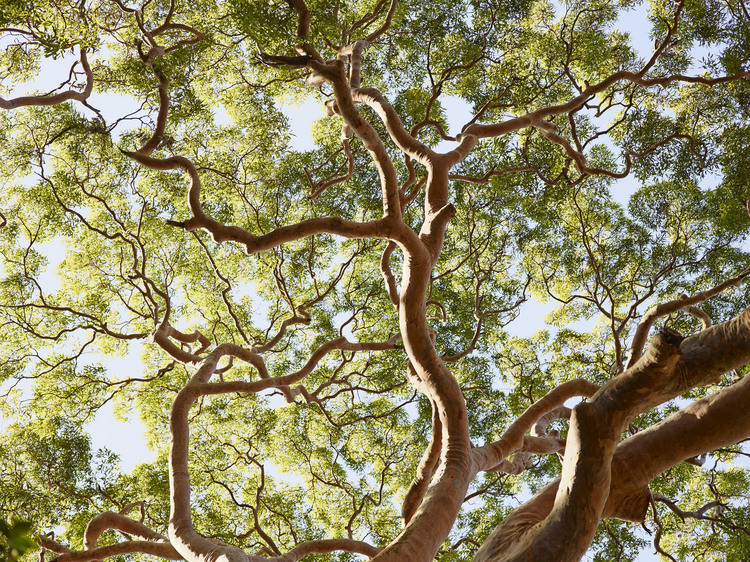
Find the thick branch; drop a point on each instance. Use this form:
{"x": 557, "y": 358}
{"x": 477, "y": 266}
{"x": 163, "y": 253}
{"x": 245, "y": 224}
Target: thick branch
{"x": 425, "y": 471}
{"x": 303, "y": 17}
{"x": 324, "y": 546}
{"x": 345, "y": 98}
{"x": 406, "y": 142}
{"x": 492, "y": 454}
{"x": 253, "y": 244}
{"x": 684, "y": 302}
{"x": 161, "y": 550}
{"x": 700, "y": 427}
{"x": 530, "y": 119}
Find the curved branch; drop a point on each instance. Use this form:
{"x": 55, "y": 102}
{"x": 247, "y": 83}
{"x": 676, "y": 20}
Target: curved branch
{"x": 398, "y": 133}
{"x": 221, "y": 233}
{"x": 699, "y": 513}
{"x": 324, "y": 546}
{"x": 182, "y": 534}
{"x": 344, "y": 105}
{"x": 61, "y": 97}
{"x": 197, "y": 35}
{"x": 700, "y": 427}
{"x": 653, "y": 314}
{"x": 372, "y": 37}
{"x": 354, "y": 52}
{"x": 161, "y": 118}
{"x": 161, "y": 550}
{"x": 425, "y": 471}
{"x": 700, "y": 315}
{"x": 540, "y": 428}
{"x": 164, "y": 334}
{"x": 385, "y": 271}
{"x": 267, "y": 382}
{"x": 516, "y": 123}
{"x": 303, "y": 17}
{"x": 492, "y": 454}
{"x": 158, "y": 544}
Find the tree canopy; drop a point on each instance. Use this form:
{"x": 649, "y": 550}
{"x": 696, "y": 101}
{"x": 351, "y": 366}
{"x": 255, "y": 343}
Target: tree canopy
{"x": 341, "y": 350}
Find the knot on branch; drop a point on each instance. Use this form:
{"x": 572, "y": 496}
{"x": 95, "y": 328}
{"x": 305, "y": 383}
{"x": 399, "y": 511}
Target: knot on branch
{"x": 672, "y": 337}
{"x": 332, "y": 108}
{"x": 154, "y": 52}
{"x": 157, "y": 51}
{"x": 277, "y": 61}
{"x": 633, "y": 508}
{"x": 445, "y": 213}
{"x": 322, "y": 71}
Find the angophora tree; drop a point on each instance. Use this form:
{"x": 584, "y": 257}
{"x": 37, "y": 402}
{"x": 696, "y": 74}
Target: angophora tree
{"x": 330, "y": 363}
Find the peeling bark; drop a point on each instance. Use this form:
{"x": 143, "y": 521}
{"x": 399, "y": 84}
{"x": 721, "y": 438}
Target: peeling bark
{"x": 605, "y": 478}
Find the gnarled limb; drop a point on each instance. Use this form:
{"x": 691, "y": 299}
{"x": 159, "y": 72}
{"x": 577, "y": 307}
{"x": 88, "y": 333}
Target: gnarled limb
{"x": 253, "y": 244}
{"x": 705, "y": 319}
{"x": 345, "y": 99}
{"x": 385, "y": 271}
{"x": 160, "y": 549}
{"x": 425, "y": 471}
{"x": 537, "y": 117}
{"x": 181, "y": 531}
{"x": 492, "y": 454}
{"x": 168, "y": 26}
{"x": 280, "y": 382}
{"x": 396, "y": 130}
{"x": 699, "y": 513}
{"x": 540, "y": 427}
{"x": 303, "y": 17}
{"x": 161, "y": 119}
{"x": 659, "y": 531}
{"x": 324, "y": 546}
{"x": 110, "y": 520}
{"x": 684, "y": 302}
{"x": 54, "y": 99}
{"x": 637, "y": 460}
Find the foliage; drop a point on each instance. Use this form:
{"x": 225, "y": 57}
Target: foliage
{"x": 619, "y": 181}
{"x": 15, "y": 539}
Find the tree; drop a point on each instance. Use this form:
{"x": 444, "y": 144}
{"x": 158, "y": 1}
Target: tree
{"x": 329, "y": 365}
{"x": 15, "y": 540}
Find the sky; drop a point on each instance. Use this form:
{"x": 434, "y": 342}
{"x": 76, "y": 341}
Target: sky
{"x": 126, "y": 438}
